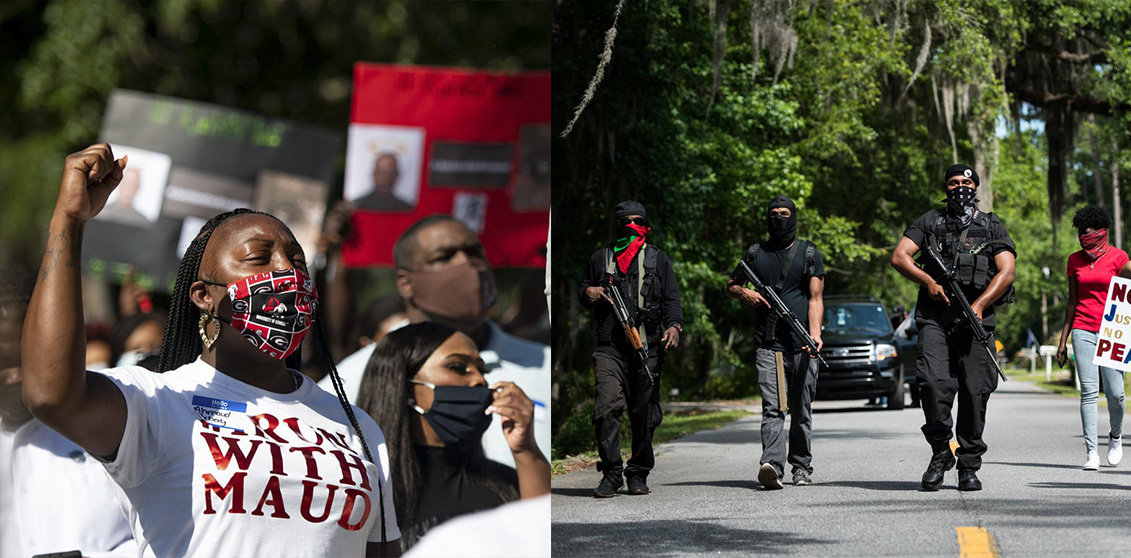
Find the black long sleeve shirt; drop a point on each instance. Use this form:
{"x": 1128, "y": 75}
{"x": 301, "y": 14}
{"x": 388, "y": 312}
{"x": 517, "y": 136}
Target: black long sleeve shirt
{"x": 663, "y": 295}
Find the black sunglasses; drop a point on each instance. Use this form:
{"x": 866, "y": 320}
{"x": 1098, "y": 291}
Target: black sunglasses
{"x": 634, "y": 220}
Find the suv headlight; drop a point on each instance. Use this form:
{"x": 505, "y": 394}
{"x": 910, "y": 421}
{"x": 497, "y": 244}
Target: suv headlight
{"x": 885, "y": 351}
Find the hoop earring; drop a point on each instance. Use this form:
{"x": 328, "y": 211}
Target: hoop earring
{"x": 208, "y": 341}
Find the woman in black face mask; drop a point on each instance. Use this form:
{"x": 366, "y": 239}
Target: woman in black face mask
{"x": 424, "y": 385}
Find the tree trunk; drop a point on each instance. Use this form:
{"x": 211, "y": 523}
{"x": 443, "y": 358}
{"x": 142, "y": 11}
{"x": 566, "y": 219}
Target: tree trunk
{"x": 1059, "y": 128}
{"x": 983, "y": 166}
{"x": 1118, "y": 205}
{"x": 1096, "y": 161}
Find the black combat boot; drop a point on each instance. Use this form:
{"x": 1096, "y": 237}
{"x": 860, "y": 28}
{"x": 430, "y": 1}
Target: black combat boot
{"x": 609, "y": 486}
{"x": 968, "y": 480}
{"x": 941, "y": 462}
{"x": 637, "y": 486}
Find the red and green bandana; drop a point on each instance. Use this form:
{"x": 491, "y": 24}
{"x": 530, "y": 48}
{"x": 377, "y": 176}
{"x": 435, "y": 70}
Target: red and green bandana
{"x": 626, "y": 247}
{"x": 1094, "y": 244}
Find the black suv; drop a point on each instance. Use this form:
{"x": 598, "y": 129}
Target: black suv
{"x": 862, "y": 351}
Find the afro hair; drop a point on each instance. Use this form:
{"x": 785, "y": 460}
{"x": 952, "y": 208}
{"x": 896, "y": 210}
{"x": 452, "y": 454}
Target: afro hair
{"x": 1091, "y": 217}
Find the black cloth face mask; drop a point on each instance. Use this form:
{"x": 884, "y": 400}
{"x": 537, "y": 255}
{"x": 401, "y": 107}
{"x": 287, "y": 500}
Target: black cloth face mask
{"x": 782, "y": 230}
{"x": 960, "y": 204}
{"x": 457, "y": 413}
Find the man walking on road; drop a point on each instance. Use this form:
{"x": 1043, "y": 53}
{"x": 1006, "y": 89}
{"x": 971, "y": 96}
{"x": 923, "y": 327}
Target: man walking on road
{"x": 643, "y": 276}
{"x": 787, "y": 373}
{"x": 978, "y": 248}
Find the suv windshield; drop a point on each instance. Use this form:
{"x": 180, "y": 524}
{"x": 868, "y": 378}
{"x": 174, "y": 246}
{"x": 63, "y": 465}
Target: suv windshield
{"x": 860, "y": 318}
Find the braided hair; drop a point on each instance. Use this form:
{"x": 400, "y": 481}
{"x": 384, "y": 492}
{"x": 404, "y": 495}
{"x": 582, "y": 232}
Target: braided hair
{"x": 181, "y": 344}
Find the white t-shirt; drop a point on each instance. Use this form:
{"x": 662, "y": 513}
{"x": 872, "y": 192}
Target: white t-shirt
{"x": 518, "y": 529}
{"x": 508, "y": 359}
{"x": 55, "y": 497}
{"x": 211, "y": 466}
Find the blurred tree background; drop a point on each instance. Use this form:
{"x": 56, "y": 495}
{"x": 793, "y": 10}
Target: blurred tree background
{"x": 709, "y": 108}
{"x": 289, "y": 59}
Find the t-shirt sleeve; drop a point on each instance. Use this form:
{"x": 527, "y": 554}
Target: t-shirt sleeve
{"x": 917, "y": 232}
{"x": 1121, "y": 260}
{"x": 376, "y": 441}
{"x": 818, "y": 269}
{"x": 748, "y": 257}
{"x": 1073, "y": 267}
{"x": 1000, "y": 233}
{"x": 140, "y": 447}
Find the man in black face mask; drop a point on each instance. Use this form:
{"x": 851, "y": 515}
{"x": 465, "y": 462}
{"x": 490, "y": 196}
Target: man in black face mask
{"x": 644, "y": 277}
{"x": 787, "y": 373}
{"x": 949, "y": 360}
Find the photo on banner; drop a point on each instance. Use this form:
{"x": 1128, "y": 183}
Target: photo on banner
{"x": 383, "y": 166}
{"x": 471, "y": 144}
{"x": 137, "y": 199}
{"x": 200, "y": 160}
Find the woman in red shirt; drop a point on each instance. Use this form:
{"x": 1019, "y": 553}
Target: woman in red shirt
{"x": 1089, "y": 273}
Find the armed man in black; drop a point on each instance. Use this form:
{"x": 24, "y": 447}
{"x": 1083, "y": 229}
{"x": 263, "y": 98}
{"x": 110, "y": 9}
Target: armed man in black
{"x": 794, "y": 270}
{"x": 976, "y": 246}
{"x": 645, "y": 281}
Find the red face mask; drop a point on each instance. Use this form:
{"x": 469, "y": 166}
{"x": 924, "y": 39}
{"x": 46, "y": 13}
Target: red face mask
{"x": 273, "y": 310}
{"x": 1094, "y": 244}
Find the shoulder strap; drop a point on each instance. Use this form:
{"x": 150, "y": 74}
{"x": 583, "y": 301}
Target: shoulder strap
{"x": 646, "y": 269}
{"x": 609, "y": 265}
{"x": 788, "y": 264}
{"x": 640, "y": 277}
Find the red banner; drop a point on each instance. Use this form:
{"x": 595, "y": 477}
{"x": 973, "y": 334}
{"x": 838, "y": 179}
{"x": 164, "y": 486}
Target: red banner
{"x": 472, "y": 144}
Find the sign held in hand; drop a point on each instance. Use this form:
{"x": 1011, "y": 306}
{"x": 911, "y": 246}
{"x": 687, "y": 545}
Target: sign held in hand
{"x": 1113, "y": 347}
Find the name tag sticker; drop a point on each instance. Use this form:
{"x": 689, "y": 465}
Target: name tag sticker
{"x": 540, "y": 411}
{"x": 220, "y": 412}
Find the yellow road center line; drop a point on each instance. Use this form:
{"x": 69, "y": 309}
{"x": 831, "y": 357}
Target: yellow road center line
{"x": 975, "y": 542}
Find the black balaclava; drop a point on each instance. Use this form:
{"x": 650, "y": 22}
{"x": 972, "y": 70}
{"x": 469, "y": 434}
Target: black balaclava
{"x": 960, "y": 201}
{"x": 782, "y": 229}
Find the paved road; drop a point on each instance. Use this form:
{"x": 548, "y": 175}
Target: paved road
{"x": 866, "y": 498}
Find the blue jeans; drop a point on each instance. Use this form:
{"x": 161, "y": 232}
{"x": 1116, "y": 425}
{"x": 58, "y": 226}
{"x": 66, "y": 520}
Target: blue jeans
{"x": 1084, "y": 345}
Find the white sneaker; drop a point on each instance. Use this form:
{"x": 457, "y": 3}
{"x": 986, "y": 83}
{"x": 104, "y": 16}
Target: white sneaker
{"x": 1093, "y": 462}
{"x": 1114, "y": 450}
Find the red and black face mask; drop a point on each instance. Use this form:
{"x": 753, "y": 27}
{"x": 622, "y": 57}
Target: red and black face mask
{"x": 1094, "y": 244}
{"x": 273, "y": 310}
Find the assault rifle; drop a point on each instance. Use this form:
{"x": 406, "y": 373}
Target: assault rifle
{"x": 628, "y": 324}
{"x": 954, "y": 291}
{"x": 782, "y": 311}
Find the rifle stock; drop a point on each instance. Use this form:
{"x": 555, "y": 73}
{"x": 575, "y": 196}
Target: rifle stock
{"x": 954, "y": 291}
{"x": 778, "y": 307}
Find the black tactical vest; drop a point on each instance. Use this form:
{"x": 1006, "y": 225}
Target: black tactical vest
{"x": 969, "y": 252}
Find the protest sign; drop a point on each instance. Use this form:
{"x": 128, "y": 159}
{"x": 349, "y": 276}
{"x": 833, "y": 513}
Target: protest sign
{"x": 1113, "y": 346}
{"x": 189, "y": 161}
{"x": 471, "y": 144}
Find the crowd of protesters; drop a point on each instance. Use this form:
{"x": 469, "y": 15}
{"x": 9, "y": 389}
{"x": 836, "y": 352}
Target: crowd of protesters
{"x": 217, "y": 426}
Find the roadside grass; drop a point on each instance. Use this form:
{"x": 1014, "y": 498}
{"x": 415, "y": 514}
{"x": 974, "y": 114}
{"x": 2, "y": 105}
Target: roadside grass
{"x": 1062, "y": 382}
{"x": 673, "y": 426}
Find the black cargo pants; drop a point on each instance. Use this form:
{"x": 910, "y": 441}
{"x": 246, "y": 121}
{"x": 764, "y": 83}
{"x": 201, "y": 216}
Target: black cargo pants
{"x": 949, "y": 364}
{"x": 621, "y": 384}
